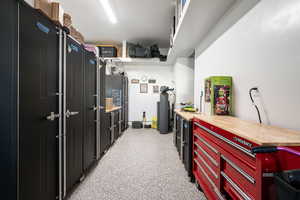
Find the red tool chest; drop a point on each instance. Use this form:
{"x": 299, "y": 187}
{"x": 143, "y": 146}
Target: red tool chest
{"x": 224, "y": 166}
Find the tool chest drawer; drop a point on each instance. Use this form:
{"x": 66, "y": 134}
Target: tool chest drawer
{"x": 223, "y": 164}
{"x": 229, "y": 142}
{"x": 210, "y": 169}
{"x": 223, "y": 146}
{"x": 207, "y": 147}
{"x": 208, "y": 160}
{"x": 238, "y": 177}
{"x": 207, "y": 183}
{"x": 233, "y": 189}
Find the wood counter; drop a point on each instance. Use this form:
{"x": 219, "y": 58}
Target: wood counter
{"x": 186, "y": 115}
{"x": 113, "y": 109}
{"x": 259, "y": 134}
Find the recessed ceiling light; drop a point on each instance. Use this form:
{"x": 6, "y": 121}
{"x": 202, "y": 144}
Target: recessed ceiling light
{"x": 109, "y": 12}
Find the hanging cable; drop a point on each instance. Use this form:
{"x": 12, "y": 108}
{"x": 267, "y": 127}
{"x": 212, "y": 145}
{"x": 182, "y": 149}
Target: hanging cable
{"x": 250, "y": 94}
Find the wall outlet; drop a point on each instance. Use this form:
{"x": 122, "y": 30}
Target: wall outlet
{"x": 256, "y": 93}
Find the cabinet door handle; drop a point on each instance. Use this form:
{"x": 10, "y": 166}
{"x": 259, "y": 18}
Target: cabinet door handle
{"x": 95, "y": 108}
{"x": 69, "y": 114}
{"x": 52, "y": 116}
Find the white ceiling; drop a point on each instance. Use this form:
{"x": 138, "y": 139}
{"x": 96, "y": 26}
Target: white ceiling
{"x": 144, "y": 21}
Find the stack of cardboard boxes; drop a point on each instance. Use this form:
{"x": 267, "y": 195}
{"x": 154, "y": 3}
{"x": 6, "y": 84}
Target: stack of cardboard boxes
{"x": 67, "y": 20}
{"x": 56, "y": 13}
{"x": 109, "y": 103}
{"x": 76, "y": 35}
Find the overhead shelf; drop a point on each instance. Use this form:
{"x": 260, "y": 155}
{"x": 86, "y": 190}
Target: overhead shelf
{"x": 203, "y": 21}
{"x": 135, "y": 61}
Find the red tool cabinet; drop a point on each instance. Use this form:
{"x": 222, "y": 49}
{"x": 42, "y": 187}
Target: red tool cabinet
{"x": 224, "y": 166}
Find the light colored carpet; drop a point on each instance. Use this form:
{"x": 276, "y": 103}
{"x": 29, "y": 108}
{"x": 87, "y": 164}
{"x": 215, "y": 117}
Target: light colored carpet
{"x": 142, "y": 165}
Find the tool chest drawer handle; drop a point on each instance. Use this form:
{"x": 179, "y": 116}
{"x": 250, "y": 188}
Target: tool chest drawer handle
{"x": 206, "y": 165}
{"x": 207, "y": 155}
{"x": 209, "y": 180}
{"x": 236, "y": 187}
{"x": 240, "y": 170}
{"x": 206, "y": 143}
{"x": 246, "y": 151}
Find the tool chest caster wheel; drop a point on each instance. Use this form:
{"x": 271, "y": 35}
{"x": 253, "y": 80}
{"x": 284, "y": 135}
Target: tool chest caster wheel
{"x": 192, "y": 179}
{"x": 198, "y": 186}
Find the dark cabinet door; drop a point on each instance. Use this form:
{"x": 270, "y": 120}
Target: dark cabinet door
{"x": 178, "y": 133}
{"x": 8, "y": 96}
{"x": 74, "y": 106}
{"x": 126, "y": 112}
{"x": 188, "y": 146}
{"x": 116, "y": 125}
{"x": 90, "y": 69}
{"x": 38, "y": 87}
{"x": 106, "y": 132}
{"x": 185, "y": 141}
{"x": 104, "y": 118}
{"x": 125, "y": 104}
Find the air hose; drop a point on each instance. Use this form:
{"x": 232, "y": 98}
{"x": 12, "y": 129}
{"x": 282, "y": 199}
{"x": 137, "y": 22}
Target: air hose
{"x": 250, "y": 94}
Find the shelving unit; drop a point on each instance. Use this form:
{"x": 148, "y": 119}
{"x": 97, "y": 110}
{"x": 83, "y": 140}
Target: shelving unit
{"x": 135, "y": 61}
{"x": 203, "y": 21}
{"x": 138, "y": 61}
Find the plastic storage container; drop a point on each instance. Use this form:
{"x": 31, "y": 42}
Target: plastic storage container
{"x": 288, "y": 185}
{"x": 108, "y": 51}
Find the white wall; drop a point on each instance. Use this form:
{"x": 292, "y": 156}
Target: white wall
{"x": 138, "y": 103}
{"x": 262, "y": 49}
{"x": 30, "y": 2}
{"x": 184, "y": 80}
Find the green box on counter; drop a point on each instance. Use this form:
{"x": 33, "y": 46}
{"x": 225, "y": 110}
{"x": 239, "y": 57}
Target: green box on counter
{"x": 218, "y": 94}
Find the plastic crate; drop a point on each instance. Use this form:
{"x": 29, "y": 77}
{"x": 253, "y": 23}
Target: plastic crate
{"x": 108, "y": 51}
{"x": 284, "y": 189}
{"x": 137, "y": 125}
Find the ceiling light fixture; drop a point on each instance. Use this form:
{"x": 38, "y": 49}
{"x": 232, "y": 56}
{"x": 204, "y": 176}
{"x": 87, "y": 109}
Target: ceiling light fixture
{"x": 109, "y": 12}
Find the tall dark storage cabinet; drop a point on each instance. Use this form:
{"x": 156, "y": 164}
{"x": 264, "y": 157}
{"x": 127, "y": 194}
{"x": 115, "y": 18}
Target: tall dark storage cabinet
{"x": 9, "y": 99}
{"x": 178, "y": 133}
{"x": 74, "y": 112}
{"x": 105, "y": 120}
{"x": 188, "y": 147}
{"x": 125, "y": 104}
{"x": 29, "y": 104}
{"x": 39, "y": 45}
{"x": 90, "y": 71}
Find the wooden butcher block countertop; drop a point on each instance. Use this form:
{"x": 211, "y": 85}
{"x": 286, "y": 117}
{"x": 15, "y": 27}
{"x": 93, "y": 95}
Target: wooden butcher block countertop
{"x": 186, "y": 115}
{"x": 259, "y": 134}
{"x": 113, "y": 109}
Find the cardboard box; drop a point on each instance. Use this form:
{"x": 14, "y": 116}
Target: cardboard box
{"x": 76, "y": 35}
{"x": 119, "y": 51}
{"x": 109, "y": 103}
{"x": 67, "y": 20}
{"x": 44, "y": 6}
{"x": 57, "y": 13}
